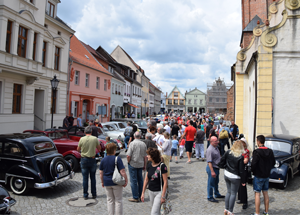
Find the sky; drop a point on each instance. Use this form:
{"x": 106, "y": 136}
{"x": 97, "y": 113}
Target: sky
{"x": 187, "y": 43}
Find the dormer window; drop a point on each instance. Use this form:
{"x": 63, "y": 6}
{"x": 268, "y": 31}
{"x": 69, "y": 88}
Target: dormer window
{"x": 50, "y": 9}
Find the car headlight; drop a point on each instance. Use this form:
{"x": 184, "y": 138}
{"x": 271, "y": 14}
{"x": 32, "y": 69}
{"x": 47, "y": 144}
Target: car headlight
{"x": 277, "y": 164}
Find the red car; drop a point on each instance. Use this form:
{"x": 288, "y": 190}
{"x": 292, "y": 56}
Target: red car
{"x": 65, "y": 145}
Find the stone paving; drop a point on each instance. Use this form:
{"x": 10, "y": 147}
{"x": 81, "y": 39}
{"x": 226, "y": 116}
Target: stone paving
{"x": 187, "y": 188}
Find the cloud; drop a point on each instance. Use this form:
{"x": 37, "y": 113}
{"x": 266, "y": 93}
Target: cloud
{"x": 187, "y": 43}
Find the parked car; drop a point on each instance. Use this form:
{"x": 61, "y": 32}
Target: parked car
{"x": 75, "y": 133}
{"x": 65, "y": 145}
{"x": 31, "y": 161}
{"x": 6, "y": 202}
{"x": 113, "y": 132}
{"x": 141, "y": 124}
{"x": 286, "y": 152}
{"x": 120, "y": 125}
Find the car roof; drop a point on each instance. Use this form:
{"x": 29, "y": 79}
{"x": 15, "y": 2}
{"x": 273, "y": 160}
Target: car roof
{"x": 282, "y": 136}
{"x": 21, "y": 137}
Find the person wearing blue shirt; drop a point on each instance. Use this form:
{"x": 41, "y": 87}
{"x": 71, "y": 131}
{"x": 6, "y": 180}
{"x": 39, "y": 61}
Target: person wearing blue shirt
{"x": 79, "y": 121}
{"x": 174, "y": 148}
{"x": 224, "y": 141}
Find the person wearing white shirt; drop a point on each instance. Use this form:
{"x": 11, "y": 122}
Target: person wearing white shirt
{"x": 167, "y": 127}
{"x": 159, "y": 138}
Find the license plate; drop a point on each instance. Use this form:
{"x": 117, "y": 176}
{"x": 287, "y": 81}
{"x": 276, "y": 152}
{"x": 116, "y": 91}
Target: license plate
{"x": 62, "y": 174}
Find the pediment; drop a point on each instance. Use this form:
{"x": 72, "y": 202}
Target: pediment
{"x": 48, "y": 34}
{"x": 27, "y": 15}
{"x": 60, "y": 40}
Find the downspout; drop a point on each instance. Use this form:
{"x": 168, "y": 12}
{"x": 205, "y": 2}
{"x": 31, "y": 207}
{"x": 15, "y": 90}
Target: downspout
{"x": 255, "y": 107}
{"x": 68, "y": 77}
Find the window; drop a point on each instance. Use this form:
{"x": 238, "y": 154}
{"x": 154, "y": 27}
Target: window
{"x": 17, "y": 95}
{"x": 44, "y": 53}
{"x": 210, "y": 99}
{"x": 113, "y": 88}
{"x": 169, "y": 101}
{"x": 77, "y": 77}
{"x": 53, "y": 101}
{"x": 12, "y": 149}
{"x": 22, "y": 41}
{"x": 87, "y": 76}
{"x": 75, "y": 112}
{"x": 201, "y": 101}
{"x": 31, "y": 1}
{"x": 175, "y": 94}
{"x": 195, "y": 101}
{"x": 217, "y": 99}
{"x": 97, "y": 83}
{"x": 190, "y": 101}
{"x": 34, "y": 46}
{"x": 58, "y": 32}
{"x": 50, "y": 9}
{"x": 56, "y": 57}
{"x": 105, "y": 85}
{"x": 224, "y": 100}
{"x": 8, "y": 36}
{"x": 175, "y": 102}
{"x": 121, "y": 90}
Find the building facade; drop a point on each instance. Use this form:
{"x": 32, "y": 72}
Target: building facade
{"x": 175, "y": 101}
{"x": 163, "y": 100}
{"x": 195, "y": 101}
{"x": 266, "y": 75}
{"x": 34, "y": 46}
{"x": 145, "y": 95}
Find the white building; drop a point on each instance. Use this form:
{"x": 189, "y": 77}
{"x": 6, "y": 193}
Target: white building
{"x": 34, "y": 46}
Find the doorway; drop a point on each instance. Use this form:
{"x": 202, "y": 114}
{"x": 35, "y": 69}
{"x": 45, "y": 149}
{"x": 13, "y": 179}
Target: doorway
{"x": 39, "y": 119}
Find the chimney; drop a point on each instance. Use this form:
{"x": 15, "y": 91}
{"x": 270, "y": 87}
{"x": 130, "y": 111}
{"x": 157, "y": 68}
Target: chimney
{"x": 166, "y": 95}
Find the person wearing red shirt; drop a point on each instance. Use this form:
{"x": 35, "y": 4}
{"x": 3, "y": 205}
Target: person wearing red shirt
{"x": 190, "y": 134}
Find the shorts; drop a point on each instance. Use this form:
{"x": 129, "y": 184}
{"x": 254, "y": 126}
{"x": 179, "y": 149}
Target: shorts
{"x": 260, "y": 184}
{"x": 173, "y": 151}
{"x": 189, "y": 146}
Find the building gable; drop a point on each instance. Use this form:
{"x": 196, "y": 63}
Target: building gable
{"x": 176, "y": 89}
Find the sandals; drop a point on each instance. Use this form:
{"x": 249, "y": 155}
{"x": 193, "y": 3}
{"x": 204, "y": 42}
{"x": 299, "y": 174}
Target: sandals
{"x": 226, "y": 212}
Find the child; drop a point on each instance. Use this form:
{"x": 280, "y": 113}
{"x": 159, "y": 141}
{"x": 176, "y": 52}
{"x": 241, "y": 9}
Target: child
{"x": 174, "y": 148}
{"x": 107, "y": 139}
{"x": 181, "y": 147}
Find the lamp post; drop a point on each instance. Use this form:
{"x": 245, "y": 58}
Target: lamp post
{"x": 145, "y": 106}
{"x": 54, "y": 83}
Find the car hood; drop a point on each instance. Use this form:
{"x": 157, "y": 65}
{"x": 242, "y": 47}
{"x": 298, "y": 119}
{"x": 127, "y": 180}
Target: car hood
{"x": 279, "y": 155}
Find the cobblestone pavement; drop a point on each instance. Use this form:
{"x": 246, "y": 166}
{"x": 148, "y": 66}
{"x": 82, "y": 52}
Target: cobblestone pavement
{"x": 187, "y": 188}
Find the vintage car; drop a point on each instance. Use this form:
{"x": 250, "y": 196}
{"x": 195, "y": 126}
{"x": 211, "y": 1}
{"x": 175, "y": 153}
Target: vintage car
{"x": 6, "y": 202}
{"x": 31, "y": 161}
{"x": 75, "y": 133}
{"x": 141, "y": 124}
{"x": 286, "y": 152}
{"x": 113, "y": 131}
{"x": 65, "y": 145}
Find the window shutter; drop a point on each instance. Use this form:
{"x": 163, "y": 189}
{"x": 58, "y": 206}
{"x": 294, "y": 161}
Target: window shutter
{"x": 73, "y": 107}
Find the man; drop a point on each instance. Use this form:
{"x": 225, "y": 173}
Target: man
{"x": 149, "y": 142}
{"x": 71, "y": 120}
{"x": 87, "y": 146}
{"x": 199, "y": 143}
{"x": 153, "y": 122}
{"x": 127, "y": 133}
{"x": 224, "y": 134}
{"x": 167, "y": 127}
{"x": 208, "y": 128}
{"x": 94, "y": 128}
{"x": 213, "y": 157}
{"x": 132, "y": 115}
{"x": 190, "y": 133}
{"x": 175, "y": 129}
{"x": 234, "y": 129}
{"x": 262, "y": 163}
{"x": 66, "y": 122}
{"x": 137, "y": 160}
{"x": 79, "y": 121}
{"x": 159, "y": 138}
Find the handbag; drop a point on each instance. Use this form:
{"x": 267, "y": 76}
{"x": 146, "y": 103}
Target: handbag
{"x": 224, "y": 134}
{"x": 117, "y": 177}
{"x": 165, "y": 207}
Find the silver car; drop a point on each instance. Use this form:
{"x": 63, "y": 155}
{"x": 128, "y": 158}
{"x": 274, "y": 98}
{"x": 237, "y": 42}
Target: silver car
{"x": 113, "y": 131}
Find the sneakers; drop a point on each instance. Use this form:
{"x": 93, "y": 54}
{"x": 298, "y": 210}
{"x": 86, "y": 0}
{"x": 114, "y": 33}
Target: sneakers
{"x": 265, "y": 213}
{"x": 171, "y": 160}
{"x": 180, "y": 157}
{"x": 176, "y": 161}
{"x": 133, "y": 200}
{"x": 197, "y": 159}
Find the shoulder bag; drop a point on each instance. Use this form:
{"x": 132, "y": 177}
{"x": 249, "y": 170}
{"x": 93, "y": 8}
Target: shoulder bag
{"x": 166, "y": 207}
{"x": 117, "y": 177}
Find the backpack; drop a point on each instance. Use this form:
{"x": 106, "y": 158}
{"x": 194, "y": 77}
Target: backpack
{"x": 224, "y": 134}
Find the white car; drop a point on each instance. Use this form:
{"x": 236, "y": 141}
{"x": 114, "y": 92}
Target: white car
{"x": 113, "y": 131}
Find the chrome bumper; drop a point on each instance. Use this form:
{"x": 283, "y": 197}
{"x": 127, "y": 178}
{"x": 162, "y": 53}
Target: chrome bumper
{"x": 55, "y": 182}
{"x": 98, "y": 158}
{"x": 276, "y": 181}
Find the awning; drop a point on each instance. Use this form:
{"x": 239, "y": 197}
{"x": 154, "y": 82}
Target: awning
{"x": 133, "y": 105}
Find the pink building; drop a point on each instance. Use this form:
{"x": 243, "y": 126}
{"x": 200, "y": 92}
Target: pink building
{"x": 89, "y": 84}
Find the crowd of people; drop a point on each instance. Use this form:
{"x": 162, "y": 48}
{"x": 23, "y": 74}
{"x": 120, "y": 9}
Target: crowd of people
{"x": 149, "y": 160}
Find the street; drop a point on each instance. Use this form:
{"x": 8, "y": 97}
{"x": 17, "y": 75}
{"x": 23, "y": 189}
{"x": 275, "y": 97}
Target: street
{"x": 187, "y": 189}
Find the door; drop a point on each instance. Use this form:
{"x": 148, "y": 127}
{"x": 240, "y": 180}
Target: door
{"x": 84, "y": 105}
{"x": 39, "y": 121}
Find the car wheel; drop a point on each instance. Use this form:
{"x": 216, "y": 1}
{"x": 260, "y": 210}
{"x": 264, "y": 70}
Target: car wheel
{"x": 18, "y": 185}
{"x": 285, "y": 183}
{"x": 73, "y": 161}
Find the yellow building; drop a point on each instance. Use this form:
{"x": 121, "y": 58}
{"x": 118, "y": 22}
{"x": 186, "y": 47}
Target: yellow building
{"x": 266, "y": 75}
{"x": 175, "y": 101}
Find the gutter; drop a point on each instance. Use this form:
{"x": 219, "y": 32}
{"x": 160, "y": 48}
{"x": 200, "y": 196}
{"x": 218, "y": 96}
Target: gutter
{"x": 255, "y": 107}
{"x": 68, "y": 76}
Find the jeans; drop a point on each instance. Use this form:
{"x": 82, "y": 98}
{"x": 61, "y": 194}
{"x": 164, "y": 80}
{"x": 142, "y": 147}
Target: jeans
{"x": 212, "y": 183}
{"x": 88, "y": 167}
{"x": 223, "y": 142}
{"x": 114, "y": 200}
{"x": 155, "y": 197}
{"x": 199, "y": 149}
{"x": 136, "y": 181}
{"x": 126, "y": 139}
{"x": 233, "y": 185}
{"x": 260, "y": 184}
{"x": 208, "y": 143}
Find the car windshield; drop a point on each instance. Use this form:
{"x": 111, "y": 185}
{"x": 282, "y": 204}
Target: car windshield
{"x": 279, "y": 146}
{"x": 58, "y": 135}
{"x": 122, "y": 125}
{"x": 108, "y": 128}
{"x": 141, "y": 123}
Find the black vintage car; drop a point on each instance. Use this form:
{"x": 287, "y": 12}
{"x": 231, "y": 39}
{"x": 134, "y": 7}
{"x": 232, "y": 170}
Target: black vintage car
{"x": 31, "y": 161}
{"x": 286, "y": 152}
{"x": 6, "y": 202}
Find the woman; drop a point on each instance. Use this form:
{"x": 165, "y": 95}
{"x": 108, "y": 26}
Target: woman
{"x": 134, "y": 129}
{"x": 202, "y": 126}
{"x": 233, "y": 161}
{"x": 153, "y": 177}
{"x": 166, "y": 151}
{"x": 242, "y": 193}
{"x": 114, "y": 192}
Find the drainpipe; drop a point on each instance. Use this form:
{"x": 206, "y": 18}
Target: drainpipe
{"x": 68, "y": 76}
{"x": 255, "y": 107}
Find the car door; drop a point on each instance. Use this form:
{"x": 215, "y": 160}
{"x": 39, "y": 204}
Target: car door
{"x": 295, "y": 153}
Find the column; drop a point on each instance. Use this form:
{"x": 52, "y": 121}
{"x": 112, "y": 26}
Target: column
{"x": 29, "y": 49}
{"x": 39, "y": 47}
{"x": 49, "y": 58}
{"x": 14, "y": 38}
{"x": 3, "y": 29}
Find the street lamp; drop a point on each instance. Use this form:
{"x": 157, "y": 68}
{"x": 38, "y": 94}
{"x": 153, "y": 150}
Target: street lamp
{"x": 145, "y": 106}
{"x": 54, "y": 83}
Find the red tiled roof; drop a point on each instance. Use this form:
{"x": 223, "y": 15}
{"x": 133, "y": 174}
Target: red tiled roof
{"x": 79, "y": 52}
